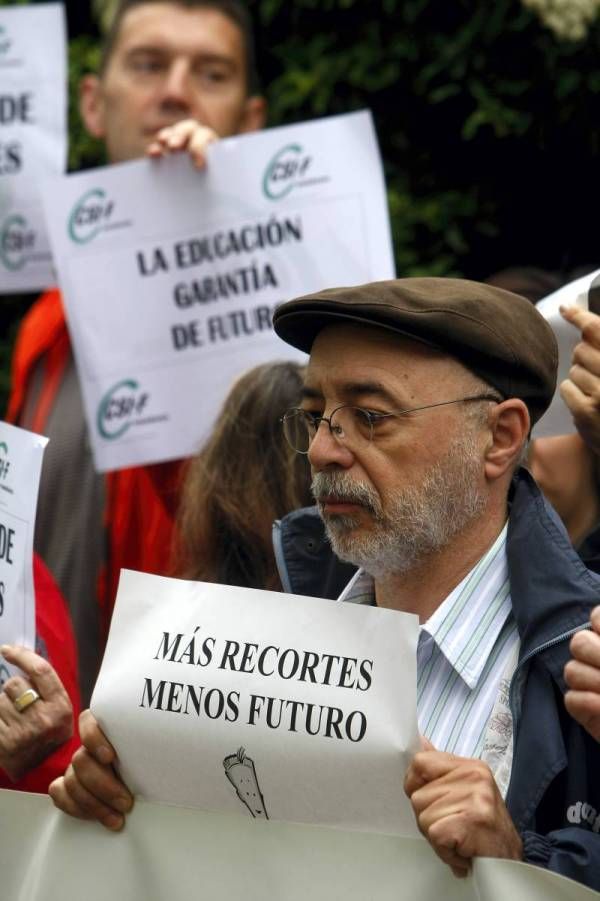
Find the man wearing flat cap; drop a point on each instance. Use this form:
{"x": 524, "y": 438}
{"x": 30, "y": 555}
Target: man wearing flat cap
{"x": 419, "y": 398}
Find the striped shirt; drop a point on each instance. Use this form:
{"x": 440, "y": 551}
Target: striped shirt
{"x": 465, "y": 651}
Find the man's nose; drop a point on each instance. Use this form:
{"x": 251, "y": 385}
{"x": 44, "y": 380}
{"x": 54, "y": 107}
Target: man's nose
{"x": 178, "y": 87}
{"x": 326, "y": 451}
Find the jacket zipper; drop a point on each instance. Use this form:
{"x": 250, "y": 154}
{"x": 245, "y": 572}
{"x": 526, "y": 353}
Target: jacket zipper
{"x": 543, "y": 647}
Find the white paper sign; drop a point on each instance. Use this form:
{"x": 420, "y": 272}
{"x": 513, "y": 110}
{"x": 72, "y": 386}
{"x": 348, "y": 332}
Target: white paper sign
{"x": 171, "y": 275}
{"x": 175, "y": 854}
{"x": 33, "y": 137}
{"x": 21, "y": 456}
{"x": 268, "y": 705}
{"x": 557, "y": 420}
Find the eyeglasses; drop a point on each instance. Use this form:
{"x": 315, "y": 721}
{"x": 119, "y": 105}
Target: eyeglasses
{"x": 350, "y": 425}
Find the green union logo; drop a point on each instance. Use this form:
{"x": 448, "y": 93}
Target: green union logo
{"x": 120, "y": 407}
{"x": 16, "y": 239}
{"x": 89, "y": 215}
{"x": 285, "y": 171}
{"x": 5, "y": 42}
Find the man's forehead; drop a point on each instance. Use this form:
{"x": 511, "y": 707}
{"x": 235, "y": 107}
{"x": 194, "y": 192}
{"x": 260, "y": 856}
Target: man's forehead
{"x": 352, "y": 355}
{"x": 370, "y": 344}
{"x": 200, "y": 29}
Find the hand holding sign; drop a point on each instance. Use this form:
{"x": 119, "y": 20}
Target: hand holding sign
{"x": 186, "y": 135}
{"x": 581, "y": 390}
{"x": 90, "y": 790}
{"x": 460, "y": 810}
{"x": 28, "y": 735}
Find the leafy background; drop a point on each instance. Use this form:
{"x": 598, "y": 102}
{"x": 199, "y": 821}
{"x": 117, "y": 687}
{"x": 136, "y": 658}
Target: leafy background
{"x": 488, "y": 123}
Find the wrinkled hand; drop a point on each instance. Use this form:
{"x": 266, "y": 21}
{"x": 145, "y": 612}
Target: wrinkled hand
{"x": 90, "y": 788}
{"x": 27, "y": 738}
{"x": 581, "y": 390}
{"x": 459, "y": 810}
{"x": 185, "y": 135}
{"x": 582, "y": 675}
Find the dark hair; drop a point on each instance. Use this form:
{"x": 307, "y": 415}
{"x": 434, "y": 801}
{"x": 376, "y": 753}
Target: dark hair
{"x": 232, "y": 9}
{"x": 244, "y": 478}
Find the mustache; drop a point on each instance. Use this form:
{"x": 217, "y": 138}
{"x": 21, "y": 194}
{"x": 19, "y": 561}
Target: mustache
{"x": 346, "y": 490}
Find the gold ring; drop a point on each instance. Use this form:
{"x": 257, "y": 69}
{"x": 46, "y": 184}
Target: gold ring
{"x": 29, "y": 697}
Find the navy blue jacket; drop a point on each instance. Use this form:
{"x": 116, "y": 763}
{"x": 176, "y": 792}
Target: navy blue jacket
{"x": 554, "y": 791}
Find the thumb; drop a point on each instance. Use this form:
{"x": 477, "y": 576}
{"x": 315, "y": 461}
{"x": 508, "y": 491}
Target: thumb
{"x": 426, "y": 744}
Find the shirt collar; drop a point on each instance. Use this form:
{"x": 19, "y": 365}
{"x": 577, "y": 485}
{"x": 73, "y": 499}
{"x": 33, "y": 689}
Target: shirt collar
{"x": 473, "y": 614}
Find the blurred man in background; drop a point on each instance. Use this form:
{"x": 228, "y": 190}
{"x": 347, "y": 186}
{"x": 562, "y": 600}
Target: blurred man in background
{"x": 175, "y": 76}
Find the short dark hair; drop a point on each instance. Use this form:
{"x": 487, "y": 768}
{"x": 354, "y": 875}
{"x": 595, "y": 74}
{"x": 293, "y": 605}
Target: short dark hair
{"x": 234, "y": 10}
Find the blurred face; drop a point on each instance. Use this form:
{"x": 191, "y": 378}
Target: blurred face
{"x": 389, "y": 503}
{"x": 169, "y": 63}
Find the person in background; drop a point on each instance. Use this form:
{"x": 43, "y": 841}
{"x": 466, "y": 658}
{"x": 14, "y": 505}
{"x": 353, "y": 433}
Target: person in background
{"x": 244, "y": 478}
{"x": 40, "y": 708}
{"x": 175, "y": 76}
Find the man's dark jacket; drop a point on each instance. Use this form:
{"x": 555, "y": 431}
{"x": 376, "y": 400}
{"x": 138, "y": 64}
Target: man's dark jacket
{"x": 554, "y": 791}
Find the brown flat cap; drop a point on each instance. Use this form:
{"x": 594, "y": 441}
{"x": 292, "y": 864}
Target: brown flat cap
{"x": 498, "y": 335}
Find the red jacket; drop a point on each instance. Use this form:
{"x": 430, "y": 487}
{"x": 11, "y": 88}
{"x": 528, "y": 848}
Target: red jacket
{"x": 141, "y": 502}
{"x": 57, "y": 642}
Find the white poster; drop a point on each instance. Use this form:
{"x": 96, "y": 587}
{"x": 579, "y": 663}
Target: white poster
{"x": 557, "y": 419}
{"x": 173, "y": 854}
{"x": 21, "y": 456}
{"x": 33, "y": 137}
{"x": 171, "y": 275}
{"x": 268, "y": 705}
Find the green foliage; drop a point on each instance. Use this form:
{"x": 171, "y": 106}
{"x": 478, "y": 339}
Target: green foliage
{"x": 482, "y": 115}
{"x": 486, "y": 120}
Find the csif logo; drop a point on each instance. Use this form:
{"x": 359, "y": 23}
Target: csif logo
{"x": 5, "y": 41}
{"x": 4, "y": 461}
{"x": 17, "y": 242}
{"x": 120, "y": 408}
{"x": 4, "y": 467}
{"x": 286, "y": 171}
{"x": 90, "y": 216}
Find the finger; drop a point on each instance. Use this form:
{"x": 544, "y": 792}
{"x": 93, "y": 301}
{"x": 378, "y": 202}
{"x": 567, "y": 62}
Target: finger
{"x": 586, "y": 381}
{"x": 437, "y": 799}
{"x": 99, "y": 781}
{"x": 426, "y": 744}
{"x": 587, "y": 356}
{"x": 595, "y": 619}
{"x": 70, "y": 796}
{"x": 582, "y": 677}
{"x": 584, "y": 706}
{"x": 585, "y": 647}
{"x": 447, "y": 836}
{"x": 430, "y": 765}
{"x": 40, "y": 673}
{"x": 94, "y": 739}
{"x": 176, "y": 137}
{"x": 8, "y": 713}
{"x": 198, "y": 144}
{"x": 588, "y": 323}
{"x": 578, "y": 403}
{"x": 413, "y": 781}
{"x": 14, "y": 687}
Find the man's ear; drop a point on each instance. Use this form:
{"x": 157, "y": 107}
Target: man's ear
{"x": 509, "y": 425}
{"x": 91, "y": 105}
{"x": 254, "y": 115}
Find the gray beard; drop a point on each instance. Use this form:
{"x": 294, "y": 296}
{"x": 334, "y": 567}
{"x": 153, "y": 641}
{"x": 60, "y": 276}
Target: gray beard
{"x": 419, "y": 520}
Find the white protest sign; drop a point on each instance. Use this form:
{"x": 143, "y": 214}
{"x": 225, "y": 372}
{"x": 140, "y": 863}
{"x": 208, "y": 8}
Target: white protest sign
{"x": 170, "y": 275}
{"x": 268, "y": 705}
{"x": 177, "y": 854}
{"x": 557, "y": 420}
{"x": 33, "y": 137}
{"x": 21, "y": 456}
